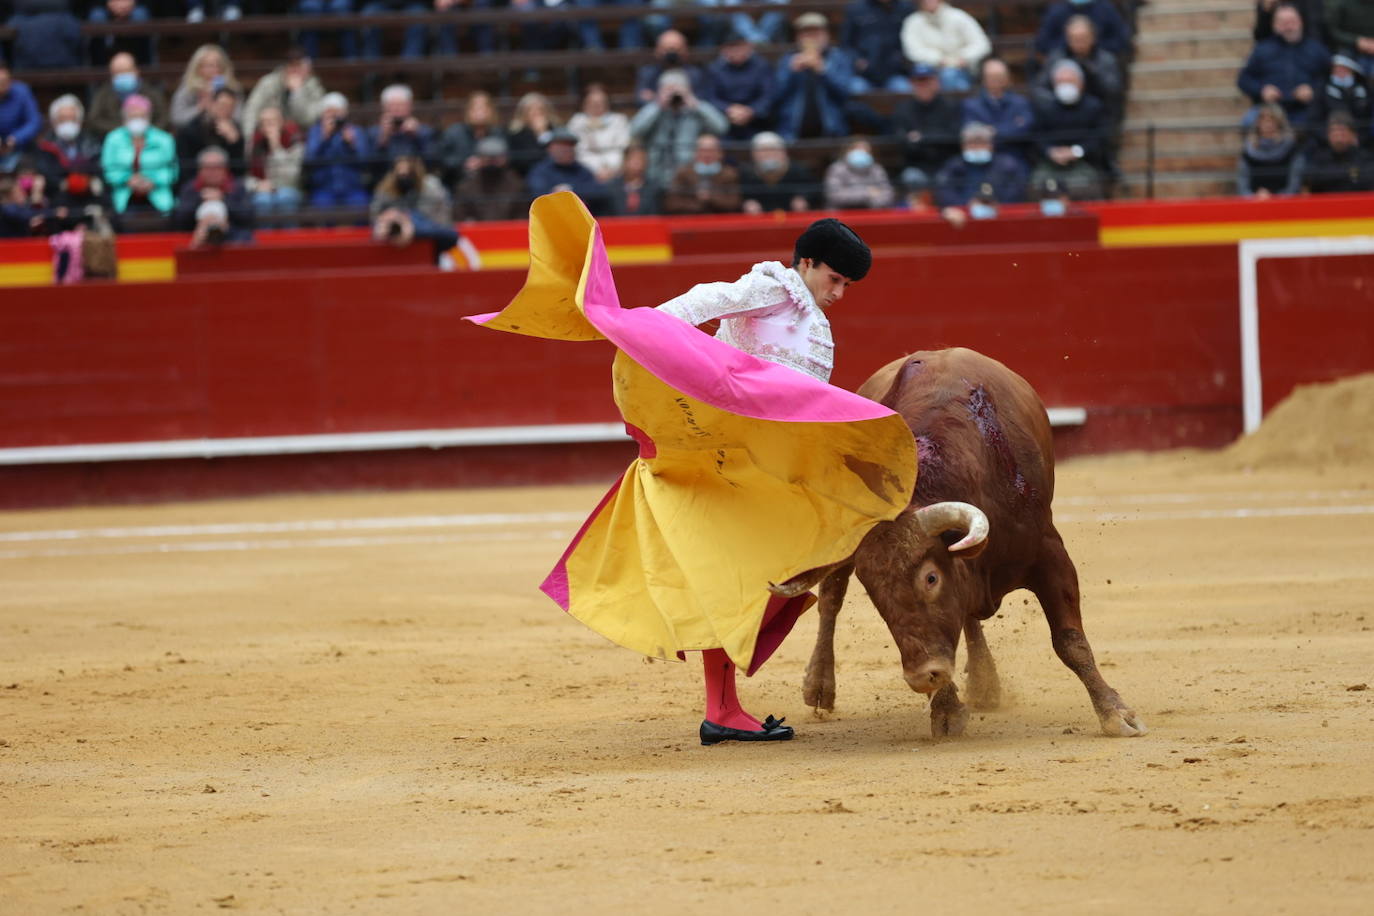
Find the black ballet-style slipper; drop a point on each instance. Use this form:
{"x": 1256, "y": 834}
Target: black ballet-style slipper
{"x": 773, "y": 730}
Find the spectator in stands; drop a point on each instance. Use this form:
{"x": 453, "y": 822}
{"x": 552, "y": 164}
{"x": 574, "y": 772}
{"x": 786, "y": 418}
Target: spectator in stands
{"x": 397, "y": 131}
{"x": 962, "y": 179}
{"x": 766, "y": 28}
{"x": 773, "y": 182}
{"x": 559, "y": 170}
{"x": 490, "y": 189}
{"x": 139, "y": 161}
{"x": 108, "y": 102}
{"x": 1346, "y": 90}
{"x": 19, "y": 119}
{"x": 668, "y": 127}
{"x": 602, "y": 134}
{"x": 927, "y": 125}
{"x": 1271, "y": 161}
{"x": 1006, "y": 112}
{"x": 1340, "y": 165}
{"x": 739, "y": 83}
{"x": 409, "y": 205}
{"x": 1113, "y": 32}
{"x": 1313, "y": 15}
{"x": 47, "y": 35}
{"x": 670, "y": 53}
{"x": 292, "y": 88}
{"x": 276, "y": 156}
{"x": 858, "y": 181}
{"x": 310, "y": 38}
{"x": 1286, "y": 69}
{"x": 1351, "y": 25}
{"x": 707, "y": 184}
{"x": 121, "y": 12}
{"x": 457, "y": 147}
{"x": 68, "y": 157}
{"x": 945, "y": 36}
{"x": 872, "y": 34}
{"x": 208, "y": 71}
{"x": 217, "y": 127}
{"x": 444, "y": 36}
{"x": 548, "y": 36}
{"x": 813, "y": 84}
{"x": 1102, "y": 77}
{"x": 632, "y": 194}
{"x": 530, "y": 129}
{"x": 212, "y": 206}
{"x": 337, "y": 154}
{"x": 1072, "y": 136}
{"x": 18, "y": 216}
{"x": 229, "y": 10}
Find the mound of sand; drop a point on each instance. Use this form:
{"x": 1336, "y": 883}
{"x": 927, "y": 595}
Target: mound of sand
{"x": 1328, "y": 424}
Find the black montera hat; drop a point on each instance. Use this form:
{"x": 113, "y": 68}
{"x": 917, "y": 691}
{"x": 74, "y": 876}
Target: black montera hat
{"x": 840, "y": 247}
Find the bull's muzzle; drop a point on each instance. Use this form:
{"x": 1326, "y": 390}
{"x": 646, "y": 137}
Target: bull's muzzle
{"x": 930, "y": 676}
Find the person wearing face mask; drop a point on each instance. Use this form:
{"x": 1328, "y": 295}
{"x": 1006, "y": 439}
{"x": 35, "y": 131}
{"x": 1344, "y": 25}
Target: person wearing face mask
{"x": 857, "y": 181}
{"x": 1346, "y": 90}
{"x": 411, "y": 205}
{"x": 491, "y": 189}
{"x": 559, "y": 170}
{"x": 68, "y": 157}
{"x": 139, "y": 161}
{"x": 965, "y": 179}
{"x": 1102, "y": 76}
{"x": 1113, "y": 32}
{"x": 670, "y": 53}
{"x": 19, "y": 119}
{"x": 105, "y": 112}
{"x": 1053, "y": 198}
{"x": 773, "y": 181}
{"x": 707, "y": 184}
{"x": 1072, "y": 134}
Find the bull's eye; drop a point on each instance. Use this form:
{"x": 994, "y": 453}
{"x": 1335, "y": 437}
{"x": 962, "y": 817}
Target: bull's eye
{"x": 931, "y": 579}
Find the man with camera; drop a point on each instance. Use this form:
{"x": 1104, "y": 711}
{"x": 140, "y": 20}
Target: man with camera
{"x": 214, "y": 207}
{"x": 669, "y": 125}
{"x": 398, "y": 132}
{"x": 336, "y": 155}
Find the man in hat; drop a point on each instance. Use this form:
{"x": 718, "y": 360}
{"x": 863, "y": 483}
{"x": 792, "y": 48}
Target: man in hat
{"x": 559, "y": 170}
{"x": 814, "y": 84}
{"x": 1339, "y": 166}
{"x": 776, "y": 313}
{"x": 927, "y": 125}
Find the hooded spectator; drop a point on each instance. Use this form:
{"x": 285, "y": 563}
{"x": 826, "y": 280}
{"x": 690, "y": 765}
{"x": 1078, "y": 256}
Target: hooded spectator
{"x": 1271, "y": 161}
{"x": 1340, "y": 165}
{"x": 491, "y": 189}
{"x": 458, "y": 143}
{"x": 276, "y": 156}
{"x": 1006, "y": 112}
{"x": 978, "y": 164}
{"x": 208, "y": 71}
{"x": 68, "y": 157}
{"x": 139, "y": 161}
{"x": 602, "y": 134}
{"x": 670, "y": 53}
{"x": 872, "y": 34}
{"x": 945, "y": 36}
{"x": 1346, "y": 90}
{"x": 668, "y": 127}
{"x": 1113, "y": 32}
{"x": 19, "y": 119}
{"x": 559, "y": 170}
{"x": 707, "y": 184}
{"x": 813, "y": 84}
{"x": 1072, "y": 136}
{"x": 773, "y": 181}
{"x": 927, "y": 125}
{"x": 106, "y": 111}
{"x": 1286, "y": 69}
{"x": 47, "y": 35}
{"x": 292, "y": 88}
{"x": 739, "y": 83}
{"x": 213, "y": 206}
{"x": 857, "y": 181}
{"x": 337, "y": 154}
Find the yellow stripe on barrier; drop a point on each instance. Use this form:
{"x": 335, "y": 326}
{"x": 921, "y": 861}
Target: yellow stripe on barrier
{"x": 143, "y": 269}
{"x": 519, "y": 258}
{"x": 1204, "y": 233}
{"x": 34, "y": 273}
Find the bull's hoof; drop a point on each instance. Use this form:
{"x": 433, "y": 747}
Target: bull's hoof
{"x": 819, "y": 692}
{"x": 1122, "y": 723}
{"x": 948, "y": 723}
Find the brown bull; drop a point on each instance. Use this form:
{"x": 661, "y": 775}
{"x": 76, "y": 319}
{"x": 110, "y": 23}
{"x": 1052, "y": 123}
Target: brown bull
{"x": 943, "y": 566}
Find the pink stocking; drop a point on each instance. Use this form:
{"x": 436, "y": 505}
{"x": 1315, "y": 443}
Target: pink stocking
{"x": 722, "y": 703}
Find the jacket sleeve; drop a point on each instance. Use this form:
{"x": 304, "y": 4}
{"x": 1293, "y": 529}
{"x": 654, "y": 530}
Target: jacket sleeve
{"x": 915, "y": 44}
{"x": 1115, "y": 32}
{"x": 974, "y": 41}
{"x": 1051, "y": 33}
{"x": 115, "y": 161}
{"x": 1295, "y": 169}
{"x": 1243, "y": 178}
{"x": 305, "y": 103}
{"x": 163, "y": 174}
{"x": 30, "y": 120}
{"x": 710, "y": 301}
{"x": 645, "y": 120}
{"x": 184, "y": 108}
{"x": 1251, "y": 79}
{"x": 712, "y": 121}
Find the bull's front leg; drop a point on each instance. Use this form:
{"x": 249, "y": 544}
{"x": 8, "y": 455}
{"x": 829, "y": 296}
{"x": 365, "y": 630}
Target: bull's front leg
{"x": 1055, "y": 582}
{"x": 818, "y": 689}
{"x": 948, "y": 714}
{"x": 984, "y": 687}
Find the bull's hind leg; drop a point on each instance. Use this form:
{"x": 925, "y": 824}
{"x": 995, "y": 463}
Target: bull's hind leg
{"x": 1055, "y": 582}
{"x": 819, "y": 687}
{"x": 984, "y": 688}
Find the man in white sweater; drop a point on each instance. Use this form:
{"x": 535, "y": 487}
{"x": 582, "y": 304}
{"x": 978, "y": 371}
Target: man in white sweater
{"x": 946, "y": 37}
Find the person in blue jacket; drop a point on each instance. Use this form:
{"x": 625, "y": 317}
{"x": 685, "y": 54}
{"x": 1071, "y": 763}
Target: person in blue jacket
{"x": 813, "y": 84}
{"x": 740, "y": 83}
{"x": 1008, "y": 113}
{"x": 1288, "y": 69}
{"x": 559, "y": 170}
{"x": 968, "y": 177}
{"x": 20, "y": 120}
{"x": 1113, "y": 31}
{"x": 336, "y": 154}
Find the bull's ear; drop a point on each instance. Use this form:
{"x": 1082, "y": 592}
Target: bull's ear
{"x": 803, "y": 582}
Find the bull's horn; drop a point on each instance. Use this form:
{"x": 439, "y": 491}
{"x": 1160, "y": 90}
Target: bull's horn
{"x": 951, "y": 516}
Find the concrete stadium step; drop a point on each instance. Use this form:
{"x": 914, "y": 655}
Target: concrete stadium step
{"x": 1207, "y": 15}
{"x": 1194, "y": 44}
{"x": 1185, "y": 74}
{"x": 1178, "y": 186}
{"x": 1207, "y": 102}
{"x": 1183, "y": 133}
{"x": 1138, "y": 162}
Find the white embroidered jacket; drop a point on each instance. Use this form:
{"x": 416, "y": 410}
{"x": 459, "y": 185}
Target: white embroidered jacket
{"x": 768, "y": 313}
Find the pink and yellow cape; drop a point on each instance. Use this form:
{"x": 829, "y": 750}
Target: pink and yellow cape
{"x": 748, "y": 473}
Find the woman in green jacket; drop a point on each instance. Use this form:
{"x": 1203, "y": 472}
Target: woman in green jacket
{"x": 139, "y": 161}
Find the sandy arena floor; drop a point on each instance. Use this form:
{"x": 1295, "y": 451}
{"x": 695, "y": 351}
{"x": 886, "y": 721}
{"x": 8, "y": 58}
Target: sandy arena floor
{"x": 361, "y": 704}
